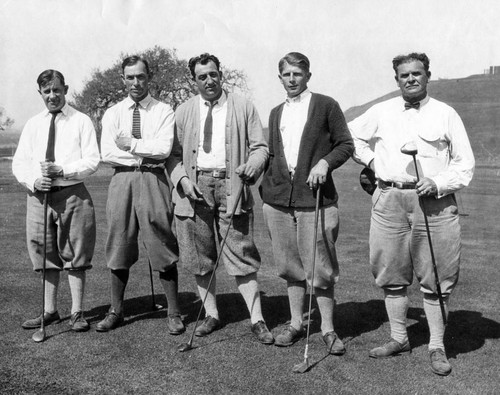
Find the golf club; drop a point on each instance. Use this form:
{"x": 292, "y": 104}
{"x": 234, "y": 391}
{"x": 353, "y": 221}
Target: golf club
{"x": 189, "y": 345}
{"x": 411, "y": 149}
{"x": 154, "y": 306}
{"x": 39, "y": 335}
{"x": 304, "y": 366}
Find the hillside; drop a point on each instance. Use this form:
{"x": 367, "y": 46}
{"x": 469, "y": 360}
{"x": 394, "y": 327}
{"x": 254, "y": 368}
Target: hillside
{"x": 476, "y": 99}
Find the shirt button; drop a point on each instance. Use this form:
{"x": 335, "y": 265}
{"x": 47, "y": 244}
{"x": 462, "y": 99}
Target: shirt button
{"x": 293, "y": 201}
{"x": 194, "y": 151}
{"x": 192, "y": 167}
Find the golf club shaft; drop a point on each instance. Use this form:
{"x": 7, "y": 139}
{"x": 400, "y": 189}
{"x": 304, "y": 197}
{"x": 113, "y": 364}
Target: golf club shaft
{"x": 223, "y": 243}
{"x": 44, "y": 261}
{"x": 152, "y": 285}
{"x": 311, "y": 291}
{"x": 427, "y": 229}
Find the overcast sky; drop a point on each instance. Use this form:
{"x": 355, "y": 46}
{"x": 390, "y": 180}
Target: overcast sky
{"x": 350, "y": 43}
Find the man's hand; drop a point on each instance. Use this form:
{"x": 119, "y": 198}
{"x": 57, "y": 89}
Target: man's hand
{"x": 43, "y": 184}
{"x": 318, "y": 174}
{"x": 247, "y": 173}
{"x": 426, "y": 187}
{"x": 124, "y": 143}
{"x": 191, "y": 190}
{"x": 51, "y": 170}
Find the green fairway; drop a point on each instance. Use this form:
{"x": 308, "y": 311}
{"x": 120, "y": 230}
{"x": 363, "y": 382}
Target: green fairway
{"x": 141, "y": 357}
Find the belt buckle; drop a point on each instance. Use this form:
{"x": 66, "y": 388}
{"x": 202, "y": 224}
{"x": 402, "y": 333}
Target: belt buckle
{"x": 217, "y": 173}
{"x": 398, "y": 184}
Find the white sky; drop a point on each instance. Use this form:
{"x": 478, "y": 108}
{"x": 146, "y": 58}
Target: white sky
{"x": 350, "y": 43}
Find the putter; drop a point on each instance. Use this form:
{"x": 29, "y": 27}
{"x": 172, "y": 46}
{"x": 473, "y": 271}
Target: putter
{"x": 189, "y": 345}
{"x": 39, "y": 335}
{"x": 411, "y": 149}
{"x": 154, "y": 306}
{"x": 304, "y": 365}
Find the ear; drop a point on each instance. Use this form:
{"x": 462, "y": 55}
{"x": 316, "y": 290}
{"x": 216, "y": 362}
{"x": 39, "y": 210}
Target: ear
{"x": 66, "y": 87}
{"x": 123, "y": 79}
{"x": 308, "y": 76}
{"x": 429, "y": 75}
{"x": 396, "y": 78}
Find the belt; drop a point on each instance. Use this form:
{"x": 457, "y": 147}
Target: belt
{"x": 150, "y": 169}
{"x": 215, "y": 173}
{"x": 397, "y": 184}
{"x": 58, "y": 188}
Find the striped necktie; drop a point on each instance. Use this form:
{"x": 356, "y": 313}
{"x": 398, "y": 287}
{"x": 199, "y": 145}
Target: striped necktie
{"x": 49, "y": 154}
{"x": 136, "y": 122}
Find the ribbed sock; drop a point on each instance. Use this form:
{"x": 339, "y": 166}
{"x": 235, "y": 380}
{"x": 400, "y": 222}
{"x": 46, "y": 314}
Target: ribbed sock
{"x": 51, "y": 288}
{"x": 396, "y": 304}
{"x": 169, "y": 282}
{"x": 435, "y": 320}
{"x": 76, "y": 279}
{"x": 211, "y": 300}
{"x": 296, "y": 296}
{"x": 119, "y": 280}
{"x": 249, "y": 289}
{"x": 324, "y": 297}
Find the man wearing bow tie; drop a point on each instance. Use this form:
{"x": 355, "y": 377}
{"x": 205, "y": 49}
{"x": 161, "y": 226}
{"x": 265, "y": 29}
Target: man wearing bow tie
{"x": 398, "y": 243}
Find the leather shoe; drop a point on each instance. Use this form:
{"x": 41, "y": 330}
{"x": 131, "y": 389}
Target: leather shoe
{"x": 288, "y": 336}
{"x": 175, "y": 325}
{"x": 208, "y": 325}
{"x": 260, "y": 330}
{"x": 333, "y": 344}
{"x": 78, "y": 322}
{"x": 439, "y": 362}
{"x": 110, "y": 322}
{"x": 390, "y": 349}
{"x": 49, "y": 318}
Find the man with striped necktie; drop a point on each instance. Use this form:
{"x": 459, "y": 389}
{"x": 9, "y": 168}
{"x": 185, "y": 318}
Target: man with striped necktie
{"x": 137, "y": 137}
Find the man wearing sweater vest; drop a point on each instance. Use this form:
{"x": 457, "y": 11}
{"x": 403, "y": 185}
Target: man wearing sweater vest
{"x": 308, "y": 139}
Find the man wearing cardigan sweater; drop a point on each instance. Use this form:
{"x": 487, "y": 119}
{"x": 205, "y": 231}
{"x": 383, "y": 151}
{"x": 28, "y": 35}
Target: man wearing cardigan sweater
{"x": 219, "y": 145}
{"x": 308, "y": 139}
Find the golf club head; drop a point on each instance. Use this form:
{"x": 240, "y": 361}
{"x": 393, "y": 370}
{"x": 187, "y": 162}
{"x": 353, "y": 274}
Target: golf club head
{"x": 39, "y": 336}
{"x": 302, "y": 367}
{"x": 183, "y": 347}
{"x": 410, "y": 148}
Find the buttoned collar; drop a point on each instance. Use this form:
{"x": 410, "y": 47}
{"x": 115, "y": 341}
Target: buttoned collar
{"x": 299, "y": 98}
{"x": 144, "y": 103}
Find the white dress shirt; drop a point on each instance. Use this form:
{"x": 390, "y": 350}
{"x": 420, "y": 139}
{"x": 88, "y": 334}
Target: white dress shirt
{"x": 292, "y": 123}
{"x": 75, "y": 148}
{"x": 216, "y": 158}
{"x": 157, "y": 132}
{"x": 444, "y": 152}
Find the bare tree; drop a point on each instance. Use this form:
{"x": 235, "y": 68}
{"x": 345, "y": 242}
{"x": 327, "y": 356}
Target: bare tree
{"x": 5, "y": 121}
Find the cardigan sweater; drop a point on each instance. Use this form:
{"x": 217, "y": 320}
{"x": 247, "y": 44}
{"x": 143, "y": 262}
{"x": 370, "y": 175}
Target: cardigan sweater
{"x": 245, "y": 143}
{"x": 325, "y": 136}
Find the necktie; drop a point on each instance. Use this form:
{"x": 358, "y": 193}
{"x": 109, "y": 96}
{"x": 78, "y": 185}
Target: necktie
{"x": 207, "y": 130}
{"x": 136, "y": 122}
{"x": 49, "y": 154}
{"x": 412, "y": 105}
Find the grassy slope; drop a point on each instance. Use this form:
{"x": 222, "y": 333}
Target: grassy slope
{"x": 141, "y": 357}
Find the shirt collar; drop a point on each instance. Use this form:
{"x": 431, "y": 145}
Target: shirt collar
{"x": 219, "y": 102}
{"x": 300, "y": 98}
{"x": 63, "y": 110}
{"x": 144, "y": 103}
{"x": 423, "y": 102}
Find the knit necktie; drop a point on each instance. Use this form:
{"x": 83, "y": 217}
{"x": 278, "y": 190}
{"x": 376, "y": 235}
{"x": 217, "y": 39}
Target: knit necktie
{"x": 49, "y": 154}
{"x": 207, "y": 130}
{"x": 136, "y": 122}
{"x": 409, "y": 105}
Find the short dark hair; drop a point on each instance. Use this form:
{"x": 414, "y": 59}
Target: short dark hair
{"x": 421, "y": 57}
{"x": 134, "y": 59}
{"x": 48, "y": 76}
{"x": 294, "y": 59}
{"x": 203, "y": 59}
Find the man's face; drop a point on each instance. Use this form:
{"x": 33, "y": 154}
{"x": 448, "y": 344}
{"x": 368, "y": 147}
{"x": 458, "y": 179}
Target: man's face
{"x": 412, "y": 80}
{"x": 208, "y": 80}
{"x": 136, "y": 80}
{"x": 53, "y": 95}
{"x": 294, "y": 79}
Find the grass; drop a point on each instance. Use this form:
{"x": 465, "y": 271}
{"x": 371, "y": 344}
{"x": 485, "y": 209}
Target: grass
{"x": 141, "y": 357}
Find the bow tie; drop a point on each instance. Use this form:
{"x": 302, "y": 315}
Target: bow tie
{"x": 408, "y": 105}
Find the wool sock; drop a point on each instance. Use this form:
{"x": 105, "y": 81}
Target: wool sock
{"x": 324, "y": 298}
{"x": 169, "y": 282}
{"x": 76, "y": 279}
{"x": 249, "y": 289}
{"x": 119, "y": 280}
{"x": 210, "y": 304}
{"x": 296, "y": 296}
{"x": 396, "y": 304}
{"x": 434, "y": 316}
{"x": 51, "y": 288}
